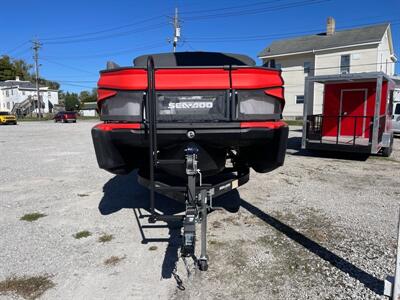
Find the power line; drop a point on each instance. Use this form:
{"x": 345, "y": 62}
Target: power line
{"x": 69, "y": 67}
{"x": 74, "y": 81}
{"x": 17, "y": 47}
{"x": 115, "y": 53}
{"x": 230, "y": 7}
{"x": 103, "y": 37}
{"x": 79, "y": 35}
{"x": 101, "y": 31}
{"x": 258, "y": 10}
{"x": 19, "y": 53}
{"x": 78, "y": 85}
{"x": 273, "y": 35}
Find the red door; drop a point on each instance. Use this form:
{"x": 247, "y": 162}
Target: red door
{"x": 353, "y": 104}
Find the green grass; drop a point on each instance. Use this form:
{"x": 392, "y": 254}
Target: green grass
{"x": 32, "y": 217}
{"x": 294, "y": 122}
{"x": 26, "y": 287}
{"x": 113, "y": 260}
{"x": 105, "y": 238}
{"x": 82, "y": 234}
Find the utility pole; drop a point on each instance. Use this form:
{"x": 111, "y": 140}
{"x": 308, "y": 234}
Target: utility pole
{"x": 177, "y": 30}
{"x": 36, "y": 46}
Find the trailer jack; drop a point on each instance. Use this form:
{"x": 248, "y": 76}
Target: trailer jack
{"x": 196, "y": 211}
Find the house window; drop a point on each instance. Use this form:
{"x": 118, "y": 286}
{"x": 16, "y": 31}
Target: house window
{"x": 397, "y": 109}
{"x": 272, "y": 63}
{"x": 8, "y": 105}
{"x": 345, "y": 64}
{"x": 299, "y": 99}
{"x": 307, "y": 67}
{"x": 7, "y": 93}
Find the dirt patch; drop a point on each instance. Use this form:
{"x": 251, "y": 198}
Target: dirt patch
{"x": 26, "y": 287}
{"x": 265, "y": 256}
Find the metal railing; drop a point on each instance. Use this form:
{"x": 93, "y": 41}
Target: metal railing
{"x": 317, "y": 126}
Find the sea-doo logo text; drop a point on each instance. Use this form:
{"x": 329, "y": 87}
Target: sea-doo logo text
{"x": 185, "y": 105}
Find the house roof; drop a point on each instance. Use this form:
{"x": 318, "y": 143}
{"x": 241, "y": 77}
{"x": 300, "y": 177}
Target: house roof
{"x": 89, "y": 105}
{"x": 23, "y": 85}
{"x": 309, "y": 43}
{"x": 19, "y": 83}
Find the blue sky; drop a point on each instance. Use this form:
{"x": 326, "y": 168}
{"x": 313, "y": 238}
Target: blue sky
{"x": 80, "y": 36}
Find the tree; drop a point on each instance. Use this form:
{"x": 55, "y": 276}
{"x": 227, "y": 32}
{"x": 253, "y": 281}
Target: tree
{"x": 86, "y": 96}
{"x": 71, "y": 101}
{"x": 7, "y": 69}
{"x": 22, "y": 69}
{"x": 53, "y": 85}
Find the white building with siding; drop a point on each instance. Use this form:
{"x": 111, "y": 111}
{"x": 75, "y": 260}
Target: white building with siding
{"x": 366, "y": 49}
{"x": 13, "y": 92}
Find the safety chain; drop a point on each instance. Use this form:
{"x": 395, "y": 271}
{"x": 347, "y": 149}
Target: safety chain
{"x": 178, "y": 280}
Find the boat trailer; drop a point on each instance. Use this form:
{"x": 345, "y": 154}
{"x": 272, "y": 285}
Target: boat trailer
{"x": 196, "y": 194}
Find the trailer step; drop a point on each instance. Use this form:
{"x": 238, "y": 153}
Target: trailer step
{"x": 166, "y": 218}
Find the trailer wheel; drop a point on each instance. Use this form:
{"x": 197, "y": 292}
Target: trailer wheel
{"x": 203, "y": 265}
{"x": 386, "y": 151}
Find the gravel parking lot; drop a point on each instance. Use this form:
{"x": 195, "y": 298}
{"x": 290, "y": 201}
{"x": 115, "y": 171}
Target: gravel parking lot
{"x": 317, "y": 228}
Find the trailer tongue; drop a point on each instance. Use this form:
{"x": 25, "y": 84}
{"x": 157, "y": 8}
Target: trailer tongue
{"x": 196, "y": 194}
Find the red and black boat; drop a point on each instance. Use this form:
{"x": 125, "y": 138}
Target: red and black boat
{"x": 192, "y": 123}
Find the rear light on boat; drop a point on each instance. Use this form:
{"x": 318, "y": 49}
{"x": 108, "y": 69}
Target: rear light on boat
{"x": 275, "y": 92}
{"x": 116, "y": 126}
{"x": 122, "y": 106}
{"x": 259, "y": 105}
{"x": 104, "y": 94}
{"x": 267, "y": 124}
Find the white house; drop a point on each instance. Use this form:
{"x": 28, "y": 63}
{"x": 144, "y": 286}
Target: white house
{"x": 13, "y": 93}
{"x": 365, "y": 49}
{"x": 88, "y": 109}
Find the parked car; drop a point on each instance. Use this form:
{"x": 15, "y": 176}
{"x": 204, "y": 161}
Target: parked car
{"x": 396, "y": 117}
{"x": 7, "y": 118}
{"x": 65, "y": 117}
